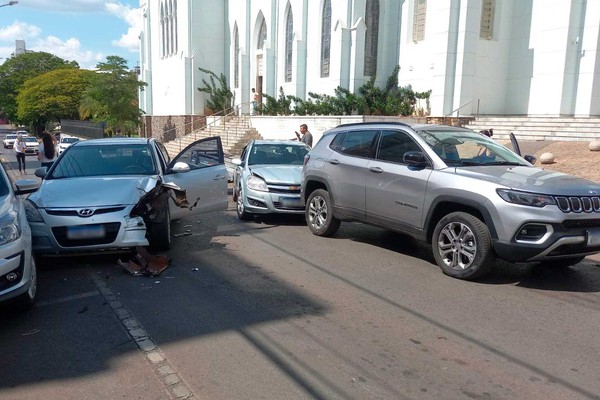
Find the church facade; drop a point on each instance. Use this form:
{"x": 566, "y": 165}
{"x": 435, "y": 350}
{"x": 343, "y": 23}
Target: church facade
{"x": 494, "y": 57}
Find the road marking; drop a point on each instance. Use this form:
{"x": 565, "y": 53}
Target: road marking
{"x": 176, "y": 387}
{"x": 67, "y": 298}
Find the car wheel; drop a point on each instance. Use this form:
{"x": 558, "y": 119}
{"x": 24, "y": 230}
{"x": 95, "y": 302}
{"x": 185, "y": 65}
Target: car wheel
{"x": 563, "y": 263}
{"x": 241, "y": 209}
{"x": 160, "y": 232}
{"x": 27, "y": 299}
{"x": 462, "y": 246}
{"x": 319, "y": 214}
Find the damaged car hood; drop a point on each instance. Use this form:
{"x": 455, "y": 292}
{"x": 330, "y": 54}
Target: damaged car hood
{"x": 93, "y": 192}
{"x": 289, "y": 174}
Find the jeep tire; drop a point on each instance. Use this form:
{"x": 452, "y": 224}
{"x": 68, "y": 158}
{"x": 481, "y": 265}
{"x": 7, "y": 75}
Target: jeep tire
{"x": 462, "y": 246}
{"x": 319, "y": 214}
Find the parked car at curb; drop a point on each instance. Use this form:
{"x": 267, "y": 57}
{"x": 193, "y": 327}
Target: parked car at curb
{"x": 31, "y": 145}
{"x": 9, "y": 140}
{"x": 472, "y": 199}
{"x": 18, "y": 273}
{"x": 66, "y": 141}
{"x": 267, "y": 178}
{"x": 111, "y": 194}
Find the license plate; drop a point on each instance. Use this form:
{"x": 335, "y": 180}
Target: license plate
{"x": 593, "y": 237}
{"x": 290, "y": 202}
{"x": 85, "y": 232}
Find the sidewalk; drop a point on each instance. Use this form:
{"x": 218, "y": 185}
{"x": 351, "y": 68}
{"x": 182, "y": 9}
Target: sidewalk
{"x": 12, "y": 168}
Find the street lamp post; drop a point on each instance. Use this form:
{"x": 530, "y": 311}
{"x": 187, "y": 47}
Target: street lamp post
{"x": 10, "y": 3}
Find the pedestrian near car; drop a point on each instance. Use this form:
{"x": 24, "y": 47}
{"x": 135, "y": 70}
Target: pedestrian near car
{"x": 304, "y": 136}
{"x": 47, "y": 150}
{"x": 20, "y": 150}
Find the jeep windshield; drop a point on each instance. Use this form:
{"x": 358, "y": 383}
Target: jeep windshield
{"x": 462, "y": 147}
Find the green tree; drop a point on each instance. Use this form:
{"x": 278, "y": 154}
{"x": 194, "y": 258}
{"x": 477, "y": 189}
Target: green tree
{"x": 18, "y": 69}
{"x": 52, "y": 96}
{"x": 220, "y": 98}
{"x": 112, "y": 96}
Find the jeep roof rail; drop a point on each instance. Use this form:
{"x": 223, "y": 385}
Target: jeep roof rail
{"x": 374, "y": 123}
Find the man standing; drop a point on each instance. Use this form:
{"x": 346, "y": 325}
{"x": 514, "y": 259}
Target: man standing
{"x": 304, "y": 136}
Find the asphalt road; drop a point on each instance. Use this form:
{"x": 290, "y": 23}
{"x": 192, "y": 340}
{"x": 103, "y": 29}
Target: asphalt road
{"x": 266, "y": 310}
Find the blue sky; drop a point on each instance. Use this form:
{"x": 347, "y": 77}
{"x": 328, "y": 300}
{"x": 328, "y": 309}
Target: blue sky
{"x": 85, "y": 31}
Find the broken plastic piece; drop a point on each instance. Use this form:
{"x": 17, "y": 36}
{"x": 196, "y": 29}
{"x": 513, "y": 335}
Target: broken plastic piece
{"x": 145, "y": 264}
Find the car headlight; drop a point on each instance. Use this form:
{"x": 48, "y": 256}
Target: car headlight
{"x": 525, "y": 198}
{"x": 32, "y": 213}
{"x": 256, "y": 183}
{"x": 10, "y": 230}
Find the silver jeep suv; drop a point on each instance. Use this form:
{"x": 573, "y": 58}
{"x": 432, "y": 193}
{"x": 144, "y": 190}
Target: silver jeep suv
{"x": 467, "y": 195}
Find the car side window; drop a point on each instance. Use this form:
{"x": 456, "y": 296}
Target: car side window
{"x": 394, "y": 144}
{"x": 359, "y": 143}
{"x": 164, "y": 159}
{"x": 244, "y": 151}
{"x": 202, "y": 154}
{"x": 336, "y": 143}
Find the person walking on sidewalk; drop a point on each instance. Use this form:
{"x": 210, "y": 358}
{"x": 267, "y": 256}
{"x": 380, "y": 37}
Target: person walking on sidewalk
{"x": 20, "y": 150}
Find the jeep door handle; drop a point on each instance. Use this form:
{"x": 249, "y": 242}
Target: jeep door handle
{"x": 377, "y": 170}
{"x": 334, "y": 162}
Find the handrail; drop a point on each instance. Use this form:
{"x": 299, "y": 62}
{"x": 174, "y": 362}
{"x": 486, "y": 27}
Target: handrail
{"x": 464, "y": 105}
{"x": 241, "y": 109}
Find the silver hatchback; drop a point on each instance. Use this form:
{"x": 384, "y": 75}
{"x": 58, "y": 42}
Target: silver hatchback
{"x": 267, "y": 178}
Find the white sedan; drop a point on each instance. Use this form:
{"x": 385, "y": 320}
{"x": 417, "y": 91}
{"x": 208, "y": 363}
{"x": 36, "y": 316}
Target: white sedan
{"x": 66, "y": 141}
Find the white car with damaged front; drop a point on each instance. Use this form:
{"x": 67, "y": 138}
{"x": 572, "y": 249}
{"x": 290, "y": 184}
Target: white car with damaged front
{"x": 111, "y": 194}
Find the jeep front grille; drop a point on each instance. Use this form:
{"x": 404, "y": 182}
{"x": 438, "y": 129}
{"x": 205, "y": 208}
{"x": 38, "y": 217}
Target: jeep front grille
{"x": 578, "y": 204}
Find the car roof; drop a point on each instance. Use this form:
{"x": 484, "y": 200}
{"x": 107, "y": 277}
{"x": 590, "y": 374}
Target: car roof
{"x": 396, "y": 124}
{"x": 287, "y": 142}
{"x": 113, "y": 141}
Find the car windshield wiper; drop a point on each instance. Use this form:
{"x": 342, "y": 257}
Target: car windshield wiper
{"x": 503, "y": 163}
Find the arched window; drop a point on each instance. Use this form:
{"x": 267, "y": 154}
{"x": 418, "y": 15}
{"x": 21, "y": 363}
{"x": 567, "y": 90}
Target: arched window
{"x": 262, "y": 35}
{"x": 419, "y": 15}
{"x": 175, "y": 47}
{"x": 326, "y": 39}
{"x": 289, "y": 44}
{"x": 236, "y": 57}
{"x": 371, "y": 37}
{"x": 163, "y": 32}
{"x": 170, "y": 28}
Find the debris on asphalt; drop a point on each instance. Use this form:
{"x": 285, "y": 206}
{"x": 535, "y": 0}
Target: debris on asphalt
{"x": 83, "y": 309}
{"x": 194, "y": 269}
{"x": 31, "y": 332}
{"x": 186, "y": 233}
{"x": 145, "y": 264}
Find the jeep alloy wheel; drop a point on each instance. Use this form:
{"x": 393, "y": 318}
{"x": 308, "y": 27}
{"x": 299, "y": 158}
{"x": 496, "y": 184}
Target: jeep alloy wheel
{"x": 462, "y": 246}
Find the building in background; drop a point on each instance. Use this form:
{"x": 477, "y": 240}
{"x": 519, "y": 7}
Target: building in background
{"x": 509, "y": 57}
{"x": 20, "y": 47}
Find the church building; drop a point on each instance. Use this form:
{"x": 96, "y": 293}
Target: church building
{"x": 493, "y": 57}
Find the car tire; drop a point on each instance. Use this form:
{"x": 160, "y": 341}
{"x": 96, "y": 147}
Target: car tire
{"x": 240, "y": 208}
{"x": 27, "y": 299}
{"x": 159, "y": 235}
{"x": 319, "y": 214}
{"x": 563, "y": 263}
{"x": 462, "y": 246}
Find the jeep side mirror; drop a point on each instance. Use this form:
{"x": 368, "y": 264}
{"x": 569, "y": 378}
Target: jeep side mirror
{"x": 415, "y": 159}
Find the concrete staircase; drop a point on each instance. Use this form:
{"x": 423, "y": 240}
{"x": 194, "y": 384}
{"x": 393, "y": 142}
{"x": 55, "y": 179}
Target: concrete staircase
{"x": 235, "y": 132}
{"x": 539, "y": 128}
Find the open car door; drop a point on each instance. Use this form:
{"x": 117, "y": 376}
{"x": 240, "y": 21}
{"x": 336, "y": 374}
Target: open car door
{"x": 205, "y": 182}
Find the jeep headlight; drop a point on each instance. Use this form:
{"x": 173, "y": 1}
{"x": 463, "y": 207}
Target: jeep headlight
{"x": 32, "y": 213}
{"x": 525, "y": 198}
{"x": 10, "y": 230}
{"x": 256, "y": 183}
